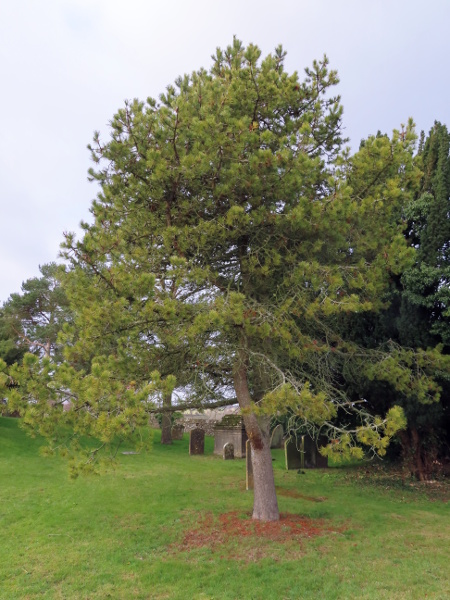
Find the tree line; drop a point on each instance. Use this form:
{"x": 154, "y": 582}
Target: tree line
{"x": 240, "y": 253}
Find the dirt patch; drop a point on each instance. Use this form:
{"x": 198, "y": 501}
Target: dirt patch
{"x": 254, "y": 538}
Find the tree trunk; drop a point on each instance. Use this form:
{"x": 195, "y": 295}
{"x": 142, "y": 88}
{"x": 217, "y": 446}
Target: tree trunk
{"x": 418, "y": 462}
{"x": 412, "y": 453}
{"x": 166, "y": 423}
{"x": 265, "y": 505}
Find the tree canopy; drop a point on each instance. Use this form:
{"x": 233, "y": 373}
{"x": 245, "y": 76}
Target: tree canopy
{"x": 416, "y": 317}
{"x": 230, "y": 231}
{"x": 32, "y": 319}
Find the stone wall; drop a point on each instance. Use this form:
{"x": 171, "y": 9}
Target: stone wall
{"x": 192, "y": 422}
{"x": 195, "y": 420}
{"x": 206, "y": 420}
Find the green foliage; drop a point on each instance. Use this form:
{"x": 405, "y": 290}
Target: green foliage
{"x": 427, "y": 282}
{"x": 10, "y": 350}
{"x": 410, "y": 334}
{"x": 411, "y": 372}
{"x": 31, "y": 321}
{"x": 102, "y": 407}
{"x": 174, "y": 417}
{"x": 229, "y": 231}
{"x": 312, "y": 407}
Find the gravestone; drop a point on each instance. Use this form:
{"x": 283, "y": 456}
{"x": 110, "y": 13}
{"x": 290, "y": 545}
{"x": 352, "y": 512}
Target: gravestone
{"x": 276, "y": 439}
{"x": 230, "y": 430}
{"x": 248, "y": 466}
{"x": 177, "y": 432}
{"x": 228, "y": 451}
{"x": 313, "y": 458}
{"x": 304, "y": 454}
{"x": 293, "y": 455}
{"x": 196, "y": 442}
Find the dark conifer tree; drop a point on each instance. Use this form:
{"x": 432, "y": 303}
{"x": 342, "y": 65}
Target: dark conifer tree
{"x": 417, "y": 315}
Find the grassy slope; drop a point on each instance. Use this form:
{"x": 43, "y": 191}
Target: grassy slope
{"x": 117, "y": 536}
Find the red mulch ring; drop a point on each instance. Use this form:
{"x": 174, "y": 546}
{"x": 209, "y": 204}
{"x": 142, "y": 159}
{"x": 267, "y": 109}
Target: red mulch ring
{"x": 214, "y": 532}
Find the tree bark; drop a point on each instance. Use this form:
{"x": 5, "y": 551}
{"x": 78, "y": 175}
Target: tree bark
{"x": 265, "y": 505}
{"x": 166, "y": 423}
{"x": 411, "y": 443}
{"x": 418, "y": 462}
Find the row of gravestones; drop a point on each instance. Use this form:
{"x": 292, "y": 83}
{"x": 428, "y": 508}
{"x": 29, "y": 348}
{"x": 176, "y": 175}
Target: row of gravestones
{"x": 299, "y": 454}
{"x": 234, "y": 434}
{"x": 197, "y": 444}
{"x": 303, "y": 454}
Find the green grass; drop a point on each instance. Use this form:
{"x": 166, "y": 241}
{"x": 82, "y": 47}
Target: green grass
{"x": 119, "y": 536}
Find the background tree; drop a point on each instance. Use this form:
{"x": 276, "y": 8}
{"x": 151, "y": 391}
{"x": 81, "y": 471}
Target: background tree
{"x": 227, "y": 234}
{"x": 416, "y": 316}
{"x": 427, "y": 282}
{"x": 424, "y": 315}
{"x": 32, "y": 320}
{"x": 10, "y": 350}
{"x": 10, "y": 353}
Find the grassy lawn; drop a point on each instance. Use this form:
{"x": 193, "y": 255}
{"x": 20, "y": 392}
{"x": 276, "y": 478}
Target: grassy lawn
{"x": 167, "y": 525}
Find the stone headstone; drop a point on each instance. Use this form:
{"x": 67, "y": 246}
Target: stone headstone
{"x": 228, "y": 451}
{"x": 177, "y": 432}
{"x": 313, "y": 458}
{"x": 230, "y": 430}
{"x": 196, "y": 442}
{"x": 248, "y": 466}
{"x": 303, "y": 453}
{"x": 276, "y": 439}
{"x": 293, "y": 455}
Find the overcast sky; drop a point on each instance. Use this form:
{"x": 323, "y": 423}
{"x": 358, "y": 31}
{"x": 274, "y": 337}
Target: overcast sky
{"x": 67, "y": 66}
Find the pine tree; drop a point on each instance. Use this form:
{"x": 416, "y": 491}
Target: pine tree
{"x": 34, "y": 317}
{"x": 229, "y": 229}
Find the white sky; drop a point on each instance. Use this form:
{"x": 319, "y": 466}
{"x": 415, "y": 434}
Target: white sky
{"x": 66, "y": 66}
